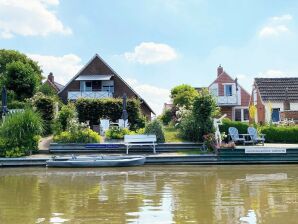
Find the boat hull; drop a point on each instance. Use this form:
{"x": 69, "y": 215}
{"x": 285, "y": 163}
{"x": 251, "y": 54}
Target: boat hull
{"x": 98, "y": 162}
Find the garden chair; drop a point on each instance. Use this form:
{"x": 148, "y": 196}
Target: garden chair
{"x": 235, "y": 136}
{"x": 123, "y": 123}
{"x": 253, "y": 133}
{"x": 104, "y": 125}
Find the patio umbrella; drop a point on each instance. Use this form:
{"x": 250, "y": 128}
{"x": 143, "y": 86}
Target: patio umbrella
{"x": 124, "y": 115}
{"x": 4, "y": 101}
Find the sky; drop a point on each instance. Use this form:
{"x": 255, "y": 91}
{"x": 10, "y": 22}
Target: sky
{"x": 156, "y": 44}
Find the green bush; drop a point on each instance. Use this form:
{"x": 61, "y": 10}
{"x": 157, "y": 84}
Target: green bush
{"x": 45, "y": 105}
{"x": 196, "y": 122}
{"x": 187, "y": 127}
{"x": 280, "y": 134}
{"x": 155, "y": 128}
{"x": 64, "y": 116}
{"x": 93, "y": 109}
{"x": 204, "y": 110}
{"x": 20, "y": 133}
{"x": 241, "y": 126}
{"x": 80, "y": 136}
{"x": 17, "y": 105}
{"x": 47, "y": 90}
{"x": 166, "y": 117}
{"x": 117, "y": 133}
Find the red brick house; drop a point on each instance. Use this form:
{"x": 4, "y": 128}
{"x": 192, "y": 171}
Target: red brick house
{"x": 275, "y": 99}
{"x": 51, "y": 82}
{"x": 232, "y": 99}
{"x": 98, "y": 80}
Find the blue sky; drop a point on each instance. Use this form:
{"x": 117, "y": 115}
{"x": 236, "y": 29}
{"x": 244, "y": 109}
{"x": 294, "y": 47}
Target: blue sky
{"x": 156, "y": 44}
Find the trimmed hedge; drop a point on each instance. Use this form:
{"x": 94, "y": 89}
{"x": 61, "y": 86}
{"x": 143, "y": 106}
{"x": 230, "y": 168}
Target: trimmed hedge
{"x": 93, "y": 109}
{"x": 280, "y": 134}
{"x": 241, "y": 126}
{"x": 45, "y": 106}
{"x": 17, "y": 105}
{"x": 274, "y": 134}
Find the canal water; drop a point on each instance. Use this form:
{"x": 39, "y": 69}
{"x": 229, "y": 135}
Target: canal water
{"x": 150, "y": 194}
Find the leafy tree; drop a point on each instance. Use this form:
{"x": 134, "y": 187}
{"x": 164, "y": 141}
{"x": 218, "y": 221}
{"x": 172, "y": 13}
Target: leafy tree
{"x": 183, "y": 95}
{"x": 166, "y": 117}
{"x": 19, "y": 74}
{"x": 21, "y": 79}
{"x": 47, "y": 90}
{"x": 196, "y": 122}
{"x": 204, "y": 110}
{"x": 8, "y": 56}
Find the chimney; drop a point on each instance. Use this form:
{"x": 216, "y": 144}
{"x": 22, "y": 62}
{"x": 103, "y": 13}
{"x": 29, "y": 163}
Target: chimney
{"x": 219, "y": 70}
{"x": 51, "y": 77}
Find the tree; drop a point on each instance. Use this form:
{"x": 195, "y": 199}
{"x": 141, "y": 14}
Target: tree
{"x": 19, "y": 74}
{"x": 204, "y": 110}
{"x": 196, "y": 122}
{"x": 183, "y": 95}
{"x": 8, "y": 56}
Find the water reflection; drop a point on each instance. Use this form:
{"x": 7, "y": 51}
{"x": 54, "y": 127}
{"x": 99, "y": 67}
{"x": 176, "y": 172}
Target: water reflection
{"x": 150, "y": 194}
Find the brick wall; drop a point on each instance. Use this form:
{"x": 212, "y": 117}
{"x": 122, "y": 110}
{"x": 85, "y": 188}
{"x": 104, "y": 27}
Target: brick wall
{"x": 290, "y": 114}
{"x": 228, "y": 111}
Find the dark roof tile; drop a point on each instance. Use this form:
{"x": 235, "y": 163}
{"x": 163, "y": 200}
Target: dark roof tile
{"x": 274, "y": 89}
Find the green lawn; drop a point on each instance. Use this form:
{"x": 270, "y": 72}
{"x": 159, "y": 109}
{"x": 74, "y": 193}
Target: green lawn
{"x": 171, "y": 134}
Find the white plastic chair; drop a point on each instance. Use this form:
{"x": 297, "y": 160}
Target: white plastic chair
{"x": 253, "y": 133}
{"x": 104, "y": 125}
{"x": 122, "y": 123}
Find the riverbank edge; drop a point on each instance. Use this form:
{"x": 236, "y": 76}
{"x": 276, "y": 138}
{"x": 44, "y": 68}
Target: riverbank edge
{"x": 225, "y": 157}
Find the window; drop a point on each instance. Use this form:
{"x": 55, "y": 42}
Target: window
{"x": 238, "y": 113}
{"x": 245, "y": 114}
{"x": 241, "y": 114}
{"x": 108, "y": 86}
{"x": 88, "y": 86}
{"x": 228, "y": 90}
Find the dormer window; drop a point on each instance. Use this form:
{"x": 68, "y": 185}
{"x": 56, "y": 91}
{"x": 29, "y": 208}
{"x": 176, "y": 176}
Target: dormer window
{"x": 228, "y": 89}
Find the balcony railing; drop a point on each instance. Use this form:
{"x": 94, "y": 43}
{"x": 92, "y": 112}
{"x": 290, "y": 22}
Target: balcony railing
{"x": 74, "y": 95}
{"x": 227, "y": 100}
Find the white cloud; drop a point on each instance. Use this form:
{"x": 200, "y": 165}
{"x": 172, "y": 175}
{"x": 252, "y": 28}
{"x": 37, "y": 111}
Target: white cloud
{"x": 276, "y": 26}
{"x": 273, "y": 74}
{"x": 29, "y": 18}
{"x": 268, "y": 31}
{"x": 154, "y": 96}
{"x": 63, "y": 67}
{"x": 150, "y": 53}
{"x": 282, "y": 18}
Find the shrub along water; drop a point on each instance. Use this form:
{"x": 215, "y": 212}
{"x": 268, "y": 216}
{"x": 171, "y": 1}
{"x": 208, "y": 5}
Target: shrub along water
{"x": 280, "y": 134}
{"x": 155, "y": 128}
{"x": 93, "y": 109}
{"x": 226, "y": 123}
{"x": 20, "y": 133}
{"x": 117, "y": 133}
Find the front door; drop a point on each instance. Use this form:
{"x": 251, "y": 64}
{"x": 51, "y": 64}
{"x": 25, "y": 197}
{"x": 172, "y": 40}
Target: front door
{"x": 275, "y": 115}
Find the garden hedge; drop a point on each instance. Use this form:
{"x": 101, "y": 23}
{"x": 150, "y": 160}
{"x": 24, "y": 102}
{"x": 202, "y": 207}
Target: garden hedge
{"x": 241, "y": 126}
{"x": 274, "y": 134}
{"x": 45, "y": 106}
{"x": 280, "y": 134}
{"x": 111, "y": 108}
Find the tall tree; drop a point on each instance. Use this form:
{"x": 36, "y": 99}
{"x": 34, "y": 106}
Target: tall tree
{"x": 21, "y": 75}
{"x": 183, "y": 95}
